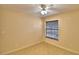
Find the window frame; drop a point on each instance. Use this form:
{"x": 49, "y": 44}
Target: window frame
{"x": 53, "y": 29}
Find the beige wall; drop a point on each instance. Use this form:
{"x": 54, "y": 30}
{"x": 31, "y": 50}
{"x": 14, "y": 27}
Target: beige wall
{"x": 0, "y": 26}
{"x": 68, "y": 30}
{"x": 18, "y": 29}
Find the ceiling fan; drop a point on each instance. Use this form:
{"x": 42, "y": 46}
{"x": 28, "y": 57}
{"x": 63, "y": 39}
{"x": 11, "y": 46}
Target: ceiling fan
{"x": 45, "y": 9}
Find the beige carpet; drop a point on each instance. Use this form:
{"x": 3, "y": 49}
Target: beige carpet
{"x": 42, "y": 49}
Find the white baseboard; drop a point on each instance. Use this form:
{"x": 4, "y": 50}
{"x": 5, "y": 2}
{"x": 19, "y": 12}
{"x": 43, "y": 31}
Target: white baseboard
{"x": 14, "y": 50}
{"x": 67, "y": 49}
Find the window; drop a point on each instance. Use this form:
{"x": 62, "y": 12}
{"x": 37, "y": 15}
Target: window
{"x": 52, "y": 29}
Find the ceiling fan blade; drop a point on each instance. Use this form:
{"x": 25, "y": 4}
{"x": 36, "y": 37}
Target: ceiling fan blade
{"x": 43, "y": 6}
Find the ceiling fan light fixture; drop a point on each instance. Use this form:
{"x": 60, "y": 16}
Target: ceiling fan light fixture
{"x": 43, "y": 12}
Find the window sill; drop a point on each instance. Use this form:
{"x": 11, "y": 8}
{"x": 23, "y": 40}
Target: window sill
{"x": 51, "y": 38}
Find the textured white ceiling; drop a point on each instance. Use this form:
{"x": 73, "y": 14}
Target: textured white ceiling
{"x": 35, "y": 8}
